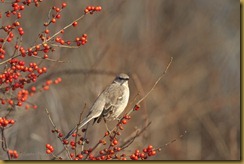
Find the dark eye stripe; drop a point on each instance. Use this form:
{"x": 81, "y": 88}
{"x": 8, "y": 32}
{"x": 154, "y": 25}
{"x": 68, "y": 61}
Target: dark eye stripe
{"x": 121, "y": 78}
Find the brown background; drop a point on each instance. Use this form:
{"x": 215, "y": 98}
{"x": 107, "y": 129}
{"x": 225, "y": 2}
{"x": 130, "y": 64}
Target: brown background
{"x": 199, "y": 94}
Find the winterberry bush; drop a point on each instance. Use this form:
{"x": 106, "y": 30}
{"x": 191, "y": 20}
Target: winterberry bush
{"x": 21, "y": 67}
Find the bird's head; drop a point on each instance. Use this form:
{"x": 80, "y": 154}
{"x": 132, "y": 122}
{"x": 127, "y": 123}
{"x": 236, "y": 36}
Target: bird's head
{"x": 122, "y": 79}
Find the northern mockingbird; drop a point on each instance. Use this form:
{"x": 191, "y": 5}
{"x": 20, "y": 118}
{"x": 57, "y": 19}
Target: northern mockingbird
{"x": 109, "y": 104}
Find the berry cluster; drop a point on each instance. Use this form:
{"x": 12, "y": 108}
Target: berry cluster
{"x": 49, "y": 149}
{"x": 13, "y": 154}
{"x": 5, "y": 122}
{"x": 18, "y": 6}
{"x": 81, "y": 40}
{"x": 77, "y": 157}
{"x": 22, "y": 96}
{"x": 56, "y": 15}
{"x": 47, "y": 84}
{"x": 60, "y": 134}
{"x": 147, "y": 152}
{"x": 92, "y": 9}
{"x": 19, "y": 73}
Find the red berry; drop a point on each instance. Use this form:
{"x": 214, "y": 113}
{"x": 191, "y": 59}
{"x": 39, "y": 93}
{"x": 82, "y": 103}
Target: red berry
{"x": 124, "y": 121}
{"x": 62, "y": 41}
{"x": 136, "y": 107}
{"x": 45, "y": 56}
{"x": 48, "y": 151}
{"x": 22, "y": 7}
{"x": 48, "y": 146}
{"x": 149, "y": 147}
{"x": 21, "y": 32}
{"x": 72, "y": 155}
{"x": 53, "y": 20}
{"x": 115, "y": 142}
{"x": 58, "y": 16}
{"x": 57, "y": 39}
{"x": 46, "y": 31}
{"x": 64, "y": 5}
{"x": 86, "y": 11}
{"x": 57, "y": 9}
{"x": 80, "y": 156}
{"x": 11, "y": 102}
{"x": 44, "y": 69}
{"x": 33, "y": 89}
{"x": 74, "y": 23}
{"x": 60, "y": 135}
{"x": 46, "y": 87}
{"x": 66, "y": 142}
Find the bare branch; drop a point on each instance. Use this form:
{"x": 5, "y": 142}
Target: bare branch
{"x": 165, "y": 71}
{"x": 130, "y": 140}
{"x": 52, "y": 60}
{"x": 172, "y": 141}
{"x": 4, "y": 143}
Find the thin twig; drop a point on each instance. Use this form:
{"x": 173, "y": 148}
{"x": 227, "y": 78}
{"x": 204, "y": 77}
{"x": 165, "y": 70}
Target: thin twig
{"x": 92, "y": 150}
{"x": 165, "y": 71}
{"x": 77, "y": 128}
{"x": 84, "y": 137}
{"x": 160, "y": 77}
{"x": 130, "y": 140}
{"x": 7, "y": 60}
{"x": 172, "y": 141}
{"x": 52, "y": 60}
{"x": 55, "y": 128}
{"x": 63, "y": 46}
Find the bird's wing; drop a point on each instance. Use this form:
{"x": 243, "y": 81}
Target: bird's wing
{"x": 114, "y": 95}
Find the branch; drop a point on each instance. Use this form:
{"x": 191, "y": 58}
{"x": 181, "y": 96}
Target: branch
{"x": 170, "y": 142}
{"x": 165, "y": 71}
{"x": 55, "y": 128}
{"x": 52, "y": 60}
{"x": 63, "y": 46}
{"x": 77, "y": 128}
{"x": 160, "y": 77}
{"x": 130, "y": 140}
{"x": 4, "y": 143}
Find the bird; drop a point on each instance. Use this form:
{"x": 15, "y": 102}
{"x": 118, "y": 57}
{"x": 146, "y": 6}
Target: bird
{"x": 109, "y": 104}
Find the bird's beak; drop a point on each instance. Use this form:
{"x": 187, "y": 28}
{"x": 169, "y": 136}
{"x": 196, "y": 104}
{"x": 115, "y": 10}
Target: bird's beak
{"x": 123, "y": 82}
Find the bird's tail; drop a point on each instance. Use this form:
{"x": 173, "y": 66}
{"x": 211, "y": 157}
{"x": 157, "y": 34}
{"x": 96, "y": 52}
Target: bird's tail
{"x": 82, "y": 123}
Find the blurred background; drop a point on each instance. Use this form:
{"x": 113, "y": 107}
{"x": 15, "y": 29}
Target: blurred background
{"x": 199, "y": 94}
